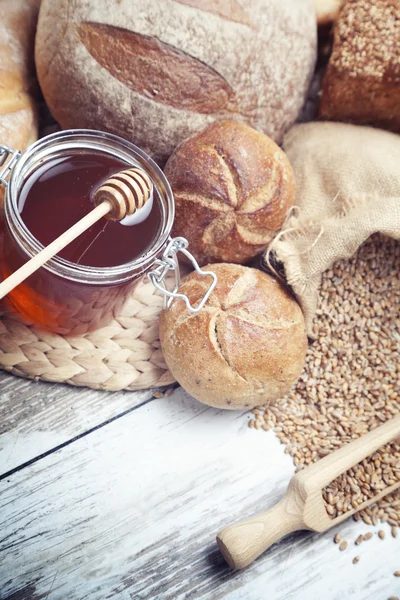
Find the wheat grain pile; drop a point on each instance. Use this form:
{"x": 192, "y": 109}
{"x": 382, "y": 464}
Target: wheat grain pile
{"x": 351, "y": 380}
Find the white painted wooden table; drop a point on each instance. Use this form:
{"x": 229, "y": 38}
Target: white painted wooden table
{"x": 106, "y": 496}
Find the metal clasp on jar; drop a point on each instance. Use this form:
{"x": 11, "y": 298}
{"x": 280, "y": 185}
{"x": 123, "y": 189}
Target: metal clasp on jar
{"x": 7, "y": 166}
{"x": 169, "y": 262}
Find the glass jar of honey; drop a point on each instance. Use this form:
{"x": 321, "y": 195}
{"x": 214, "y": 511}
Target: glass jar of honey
{"x": 49, "y": 188}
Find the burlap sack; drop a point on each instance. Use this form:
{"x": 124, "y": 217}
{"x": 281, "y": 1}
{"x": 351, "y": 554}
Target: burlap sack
{"x": 347, "y": 188}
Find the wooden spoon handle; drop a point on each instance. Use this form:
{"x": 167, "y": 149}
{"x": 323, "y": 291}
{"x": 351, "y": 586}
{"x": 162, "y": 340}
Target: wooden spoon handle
{"x": 243, "y": 542}
{"x": 52, "y": 249}
{"x": 322, "y": 472}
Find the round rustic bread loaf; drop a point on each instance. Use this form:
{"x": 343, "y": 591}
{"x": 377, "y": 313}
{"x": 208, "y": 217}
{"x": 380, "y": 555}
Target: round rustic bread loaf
{"x": 233, "y": 187}
{"x": 245, "y": 348}
{"x": 156, "y": 71}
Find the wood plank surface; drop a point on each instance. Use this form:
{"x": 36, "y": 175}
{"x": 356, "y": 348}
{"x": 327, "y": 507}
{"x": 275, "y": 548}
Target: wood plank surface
{"x": 131, "y": 512}
{"x": 36, "y": 417}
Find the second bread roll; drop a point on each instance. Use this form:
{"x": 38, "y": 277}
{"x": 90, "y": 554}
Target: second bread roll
{"x": 18, "y": 116}
{"x": 18, "y": 113}
{"x": 233, "y": 187}
{"x": 245, "y": 348}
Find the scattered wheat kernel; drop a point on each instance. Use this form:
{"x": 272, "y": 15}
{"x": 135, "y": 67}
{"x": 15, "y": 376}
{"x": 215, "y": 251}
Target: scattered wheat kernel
{"x": 393, "y": 598}
{"x": 359, "y": 539}
{"x": 381, "y": 534}
{"x": 355, "y": 560}
{"x": 367, "y": 536}
{"x": 337, "y": 538}
{"x": 394, "y": 531}
{"x": 396, "y": 573}
{"x": 158, "y": 395}
{"x": 343, "y": 546}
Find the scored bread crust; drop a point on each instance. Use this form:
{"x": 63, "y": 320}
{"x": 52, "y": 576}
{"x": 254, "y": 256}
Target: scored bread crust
{"x": 245, "y": 348}
{"x": 18, "y": 115}
{"x": 156, "y": 71}
{"x": 18, "y": 112}
{"x": 233, "y": 187}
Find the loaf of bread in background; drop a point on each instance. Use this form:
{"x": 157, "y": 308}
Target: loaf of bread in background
{"x": 18, "y": 115}
{"x": 327, "y": 11}
{"x": 362, "y": 81}
{"x": 245, "y": 348}
{"x": 233, "y": 187}
{"x": 156, "y": 71}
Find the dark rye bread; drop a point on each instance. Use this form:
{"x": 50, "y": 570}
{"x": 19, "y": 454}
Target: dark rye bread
{"x": 233, "y": 187}
{"x": 362, "y": 81}
{"x": 156, "y": 71}
{"x": 245, "y": 348}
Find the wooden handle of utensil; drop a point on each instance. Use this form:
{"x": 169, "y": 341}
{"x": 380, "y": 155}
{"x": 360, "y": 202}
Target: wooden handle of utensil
{"x": 322, "y": 472}
{"x": 243, "y": 542}
{"x": 52, "y": 249}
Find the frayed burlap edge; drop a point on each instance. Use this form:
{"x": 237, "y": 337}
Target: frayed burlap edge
{"x": 306, "y": 247}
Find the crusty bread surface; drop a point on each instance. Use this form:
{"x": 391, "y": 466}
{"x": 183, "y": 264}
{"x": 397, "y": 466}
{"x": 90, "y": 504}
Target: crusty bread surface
{"x": 245, "y": 348}
{"x": 18, "y": 117}
{"x": 156, "y": 71}
{"x": 362, "y": 81}
{"x": 18, "y": 112}
{"x": 233, "y": 187}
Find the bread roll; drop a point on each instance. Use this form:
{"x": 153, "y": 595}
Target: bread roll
{"x": 18, "y": 114}
{"x": 245, "y": 348}
{"x": 18, "y": 117}
{"x": 362, "y": 81}
{"x": 233, "y": 187}
{"x": 156, "y": 71}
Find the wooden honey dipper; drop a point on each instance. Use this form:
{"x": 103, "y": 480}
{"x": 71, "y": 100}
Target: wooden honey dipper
{"x": 121, "y": 196}
{"x": 302, "y": 506}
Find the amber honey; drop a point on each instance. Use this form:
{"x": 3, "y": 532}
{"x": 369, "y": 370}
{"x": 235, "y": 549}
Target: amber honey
{"x": 60, "y": 193}
{"x": 85, "y": 286}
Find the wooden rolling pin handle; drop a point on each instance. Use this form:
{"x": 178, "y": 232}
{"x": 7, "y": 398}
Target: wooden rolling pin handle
{"x": 243, "y": 542}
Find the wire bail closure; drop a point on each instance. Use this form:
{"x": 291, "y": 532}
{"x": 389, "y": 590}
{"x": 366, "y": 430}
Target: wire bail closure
{"x": 5, "y": 152}
{"x": 169, "y": 262}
